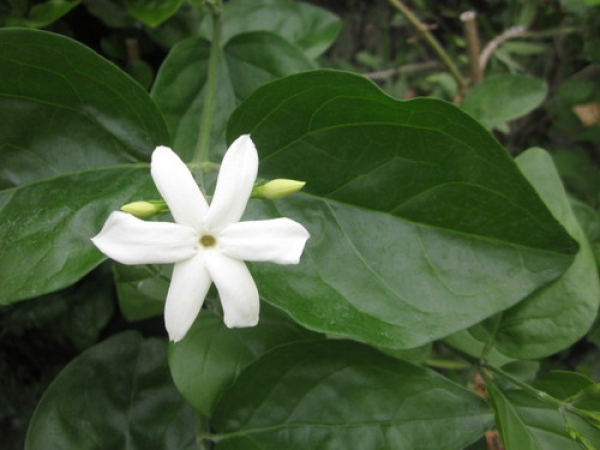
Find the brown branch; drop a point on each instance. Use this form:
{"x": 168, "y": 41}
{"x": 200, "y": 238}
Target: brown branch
{"x": 469, "y": 21}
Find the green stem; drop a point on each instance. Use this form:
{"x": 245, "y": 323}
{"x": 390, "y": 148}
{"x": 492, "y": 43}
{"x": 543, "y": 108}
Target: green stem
{"x": 489, "y": 345}
{"x": 201, "y": 153}
{"x": 543, "y": 396}
{"x": 433, "y": 43}
{"x": 526, "y": 387}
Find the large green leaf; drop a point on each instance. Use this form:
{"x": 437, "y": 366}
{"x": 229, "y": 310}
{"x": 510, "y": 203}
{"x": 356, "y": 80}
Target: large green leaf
{"x": 544, "y": 324}
{"x": 249, "y": 61}
{"x": 526, "y": 423}
{"x": 119, "y": 395}
{"x": 46, "y": 226}
{"x": 63, "y": 109}
{"x": 420, "y": 223}
{"x": 504, "y": 97}
{"x": 68, "y": 121}
{"x": 308, "y": 27}
{"x": 344, "y": 395}
{"x": 205, "y": 363}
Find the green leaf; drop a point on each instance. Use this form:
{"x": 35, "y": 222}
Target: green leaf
{"x": 249, "y": 61}
{"x": 182, "y": 25}
{"x": 541, "y": 325}
{"x": 119, "y": 395}
{"x": 526, "y": 423}
{"x": 504, "y": 97}
{"x": 43, "y": 14}
{"x": 68, "y": 119}
{"x": 308, "y": 27}
{"x": 152, "y": 12}
{"x": 205, "y": 363}
{"x": 339, "y": 394}
{"x": 142, "y": 289}
{"x": 112, "y": 12}
{"x": 46, "y": 226}
{"x": 64, "y": 109}
{"x": 562, "y": 384}
{"x": 420, "y": 223}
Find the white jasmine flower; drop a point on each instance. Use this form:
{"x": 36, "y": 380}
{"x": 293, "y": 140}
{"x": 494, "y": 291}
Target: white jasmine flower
{"x": 207, "y": 243}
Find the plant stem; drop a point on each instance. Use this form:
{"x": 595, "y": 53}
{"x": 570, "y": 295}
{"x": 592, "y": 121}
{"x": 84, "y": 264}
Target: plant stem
{"x": 526, "y": 387}
{"x": 433, "y": 43}
{"x": 201, "y": 152}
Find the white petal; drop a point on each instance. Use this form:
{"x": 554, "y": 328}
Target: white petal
{"x": 234, "y": 184}
{"x": 278, "y": 240}
{"x": 129, "y": 240}
{"x": 189, "y": 284}
{"x": 177, "y": 187}
{"x": 236, "y": 287}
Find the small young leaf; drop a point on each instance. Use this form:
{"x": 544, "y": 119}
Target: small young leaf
{"x": 152, "y": 12}
{"x": 504, "y": 97}
{"x": 141, "y": 290}
{"x": 307, "y": 27}
{"x": 43, "y": 14}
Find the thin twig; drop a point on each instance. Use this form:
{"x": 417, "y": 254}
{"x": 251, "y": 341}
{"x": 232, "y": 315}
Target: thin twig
{"x": 517, "y": 31}
{"x": 433, "y": 43}
{"x": 407, "y": 68}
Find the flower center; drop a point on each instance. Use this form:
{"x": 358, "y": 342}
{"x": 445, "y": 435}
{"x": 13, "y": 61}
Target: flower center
{"x": 208, "y": 241}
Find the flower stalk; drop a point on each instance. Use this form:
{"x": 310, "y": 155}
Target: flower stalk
{"x": 203, "y": 142}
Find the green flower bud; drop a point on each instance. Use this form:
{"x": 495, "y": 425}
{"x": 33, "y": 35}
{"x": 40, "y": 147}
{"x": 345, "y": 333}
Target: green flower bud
{"x": 144, "y": 209}
{"x": 278, "y": 188}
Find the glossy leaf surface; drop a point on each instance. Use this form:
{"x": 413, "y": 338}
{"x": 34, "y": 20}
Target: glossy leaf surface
{"x": 206, "y": 362}
{"x": 85, "y": 114}
{"x": 249, "y": 61}
{"x": 61, "y": 141}
{"x": 46, "y": 227}
{"x": 504, "y": 97}
{"x": 339, "y": 394}
{"x": 119, "y": 395}
{"x": 421, "y": 224}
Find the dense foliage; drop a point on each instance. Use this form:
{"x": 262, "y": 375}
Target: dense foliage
{"x": 448, "y": 294}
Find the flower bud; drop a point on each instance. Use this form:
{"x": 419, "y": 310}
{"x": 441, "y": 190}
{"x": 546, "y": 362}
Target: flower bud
{"x": 144, "y": 209}
{"x": 278, "y": 188}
